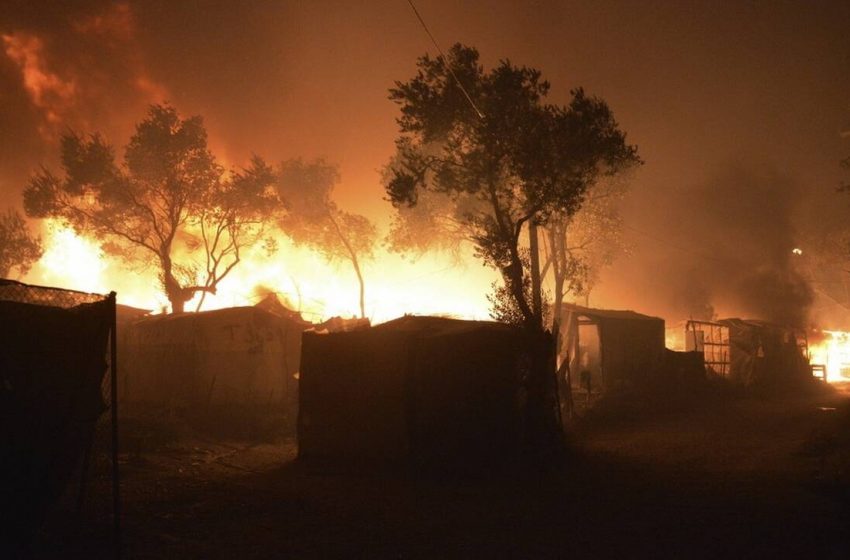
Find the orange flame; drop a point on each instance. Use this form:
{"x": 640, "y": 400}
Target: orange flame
{"x": 833, "y": 352}
{"x": 434, "y": 284}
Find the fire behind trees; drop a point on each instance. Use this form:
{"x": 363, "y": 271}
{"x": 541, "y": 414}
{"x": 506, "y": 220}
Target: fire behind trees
{"x": 510, "y": 161}
{"x": 481, "y": 176}
{"x": 313, "y": 219}
{"x": 170, "y": 205}
{"x": 168, "y": 199}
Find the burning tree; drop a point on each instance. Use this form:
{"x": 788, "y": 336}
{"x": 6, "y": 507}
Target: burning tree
{"x": 168, "y": 202}
{"x": 313, "y": 219}
{"x": 18, "y": 247}
{"x": 504, "y": 157}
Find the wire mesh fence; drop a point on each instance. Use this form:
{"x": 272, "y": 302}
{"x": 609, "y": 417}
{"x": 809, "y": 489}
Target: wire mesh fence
{"x": 11, "y": 290}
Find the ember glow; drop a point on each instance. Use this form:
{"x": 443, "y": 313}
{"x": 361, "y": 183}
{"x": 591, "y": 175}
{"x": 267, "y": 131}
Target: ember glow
{"x": 301, "y": 279}
{"x": 832, "y": 352}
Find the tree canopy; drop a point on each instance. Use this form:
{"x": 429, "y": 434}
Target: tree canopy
{"x": 313, "y": 219}
{"x": 19, "y": 249}
{"x": 510, "y": 161}
{"x": 167, "y": 204}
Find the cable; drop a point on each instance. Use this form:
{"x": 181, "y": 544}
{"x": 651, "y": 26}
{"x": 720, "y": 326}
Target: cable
{"x": 445, "y": 61}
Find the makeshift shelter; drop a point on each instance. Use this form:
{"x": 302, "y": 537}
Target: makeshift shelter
{"x": 763, "y": 354}
{"x": 426, "y": 391}
{"x": 195, "y": 362}
{"x": 54, "y": 347}
{"x": 712, "y": 341}
{"x": 610, "y": 349}
{"x": 750, "y": 353}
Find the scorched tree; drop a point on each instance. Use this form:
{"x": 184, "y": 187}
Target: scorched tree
{"x": 169, "y": 204}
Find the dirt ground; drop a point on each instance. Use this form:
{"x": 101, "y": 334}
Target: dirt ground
{"x": 729, "y": 477}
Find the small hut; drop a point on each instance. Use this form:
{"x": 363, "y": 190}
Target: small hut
{"x": 610, "y": 349}
{"x": 244, "y": 357}
{"x": 427, "y": 391}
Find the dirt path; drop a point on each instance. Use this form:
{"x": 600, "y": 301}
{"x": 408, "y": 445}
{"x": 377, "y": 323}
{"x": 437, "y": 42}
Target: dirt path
{"x": 737, "y": 478}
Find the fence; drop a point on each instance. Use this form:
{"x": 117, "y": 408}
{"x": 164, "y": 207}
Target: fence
{"x": 56, "y": 347}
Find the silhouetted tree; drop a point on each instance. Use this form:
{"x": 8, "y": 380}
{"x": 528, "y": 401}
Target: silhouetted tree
{"x": 19, "y": 249}
{"x": 519, "y": 159}
{"x": 314, "y": 220}
{"x": 579, "y": 246}
{"x": 169, "y": 204}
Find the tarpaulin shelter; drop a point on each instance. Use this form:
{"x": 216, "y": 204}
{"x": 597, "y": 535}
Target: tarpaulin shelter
{"x": 54, "y": 353}
{"x": 424, "y": 391}
{"x": 763, "y": 354}
{"x": 196, "y": 362}
{"x": 749, "y": 352}
{"x": 610, "y": 349}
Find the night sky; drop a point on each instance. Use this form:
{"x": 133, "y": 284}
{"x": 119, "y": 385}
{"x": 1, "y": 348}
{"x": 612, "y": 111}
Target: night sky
{"x": 740, "y": 102}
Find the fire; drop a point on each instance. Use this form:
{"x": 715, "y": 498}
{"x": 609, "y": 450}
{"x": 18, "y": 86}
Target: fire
{"x": 833, "y": 352}
{"x": 77, "y": 263}
{"x": 70, "y": 259}
{"x": 433, "y": 284}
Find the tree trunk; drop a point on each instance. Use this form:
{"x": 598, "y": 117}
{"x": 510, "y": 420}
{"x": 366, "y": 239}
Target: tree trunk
{"x": 513, "y": 277}
{"x": 354, "y": 262}
{"x": 536, "y": 296}
{"x": 178, "y": 305}
{"x": 362, "y": 286}
{"x": 175, "y": 293}
{"x": 559, "y": 242}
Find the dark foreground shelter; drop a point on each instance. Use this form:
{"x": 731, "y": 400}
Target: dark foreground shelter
{"x": 237, "y": 358}
{"x": 611, "y": 349}
{"x": 424, "y": 391}
{"x": 53, "y": 360}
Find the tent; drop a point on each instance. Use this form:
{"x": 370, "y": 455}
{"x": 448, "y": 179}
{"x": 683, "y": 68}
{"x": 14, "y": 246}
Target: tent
{"x": 243, "y": 357}
{"x": 426, "y": 391}
{"x": 610, "y": 349}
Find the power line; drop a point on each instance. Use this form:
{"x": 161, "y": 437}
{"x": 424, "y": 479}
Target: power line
{"x": 445, "y": 61}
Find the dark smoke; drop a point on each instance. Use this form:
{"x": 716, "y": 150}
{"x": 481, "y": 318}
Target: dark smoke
{"x": 725, "y": 248}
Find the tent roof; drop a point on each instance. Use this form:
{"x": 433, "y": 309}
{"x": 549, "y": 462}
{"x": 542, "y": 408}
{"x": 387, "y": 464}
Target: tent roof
{"x": 127, "y": 313}
{"x": 625, "y": 315}
{"x": 442, "y": 325}
{"x": 225, "y": 314}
